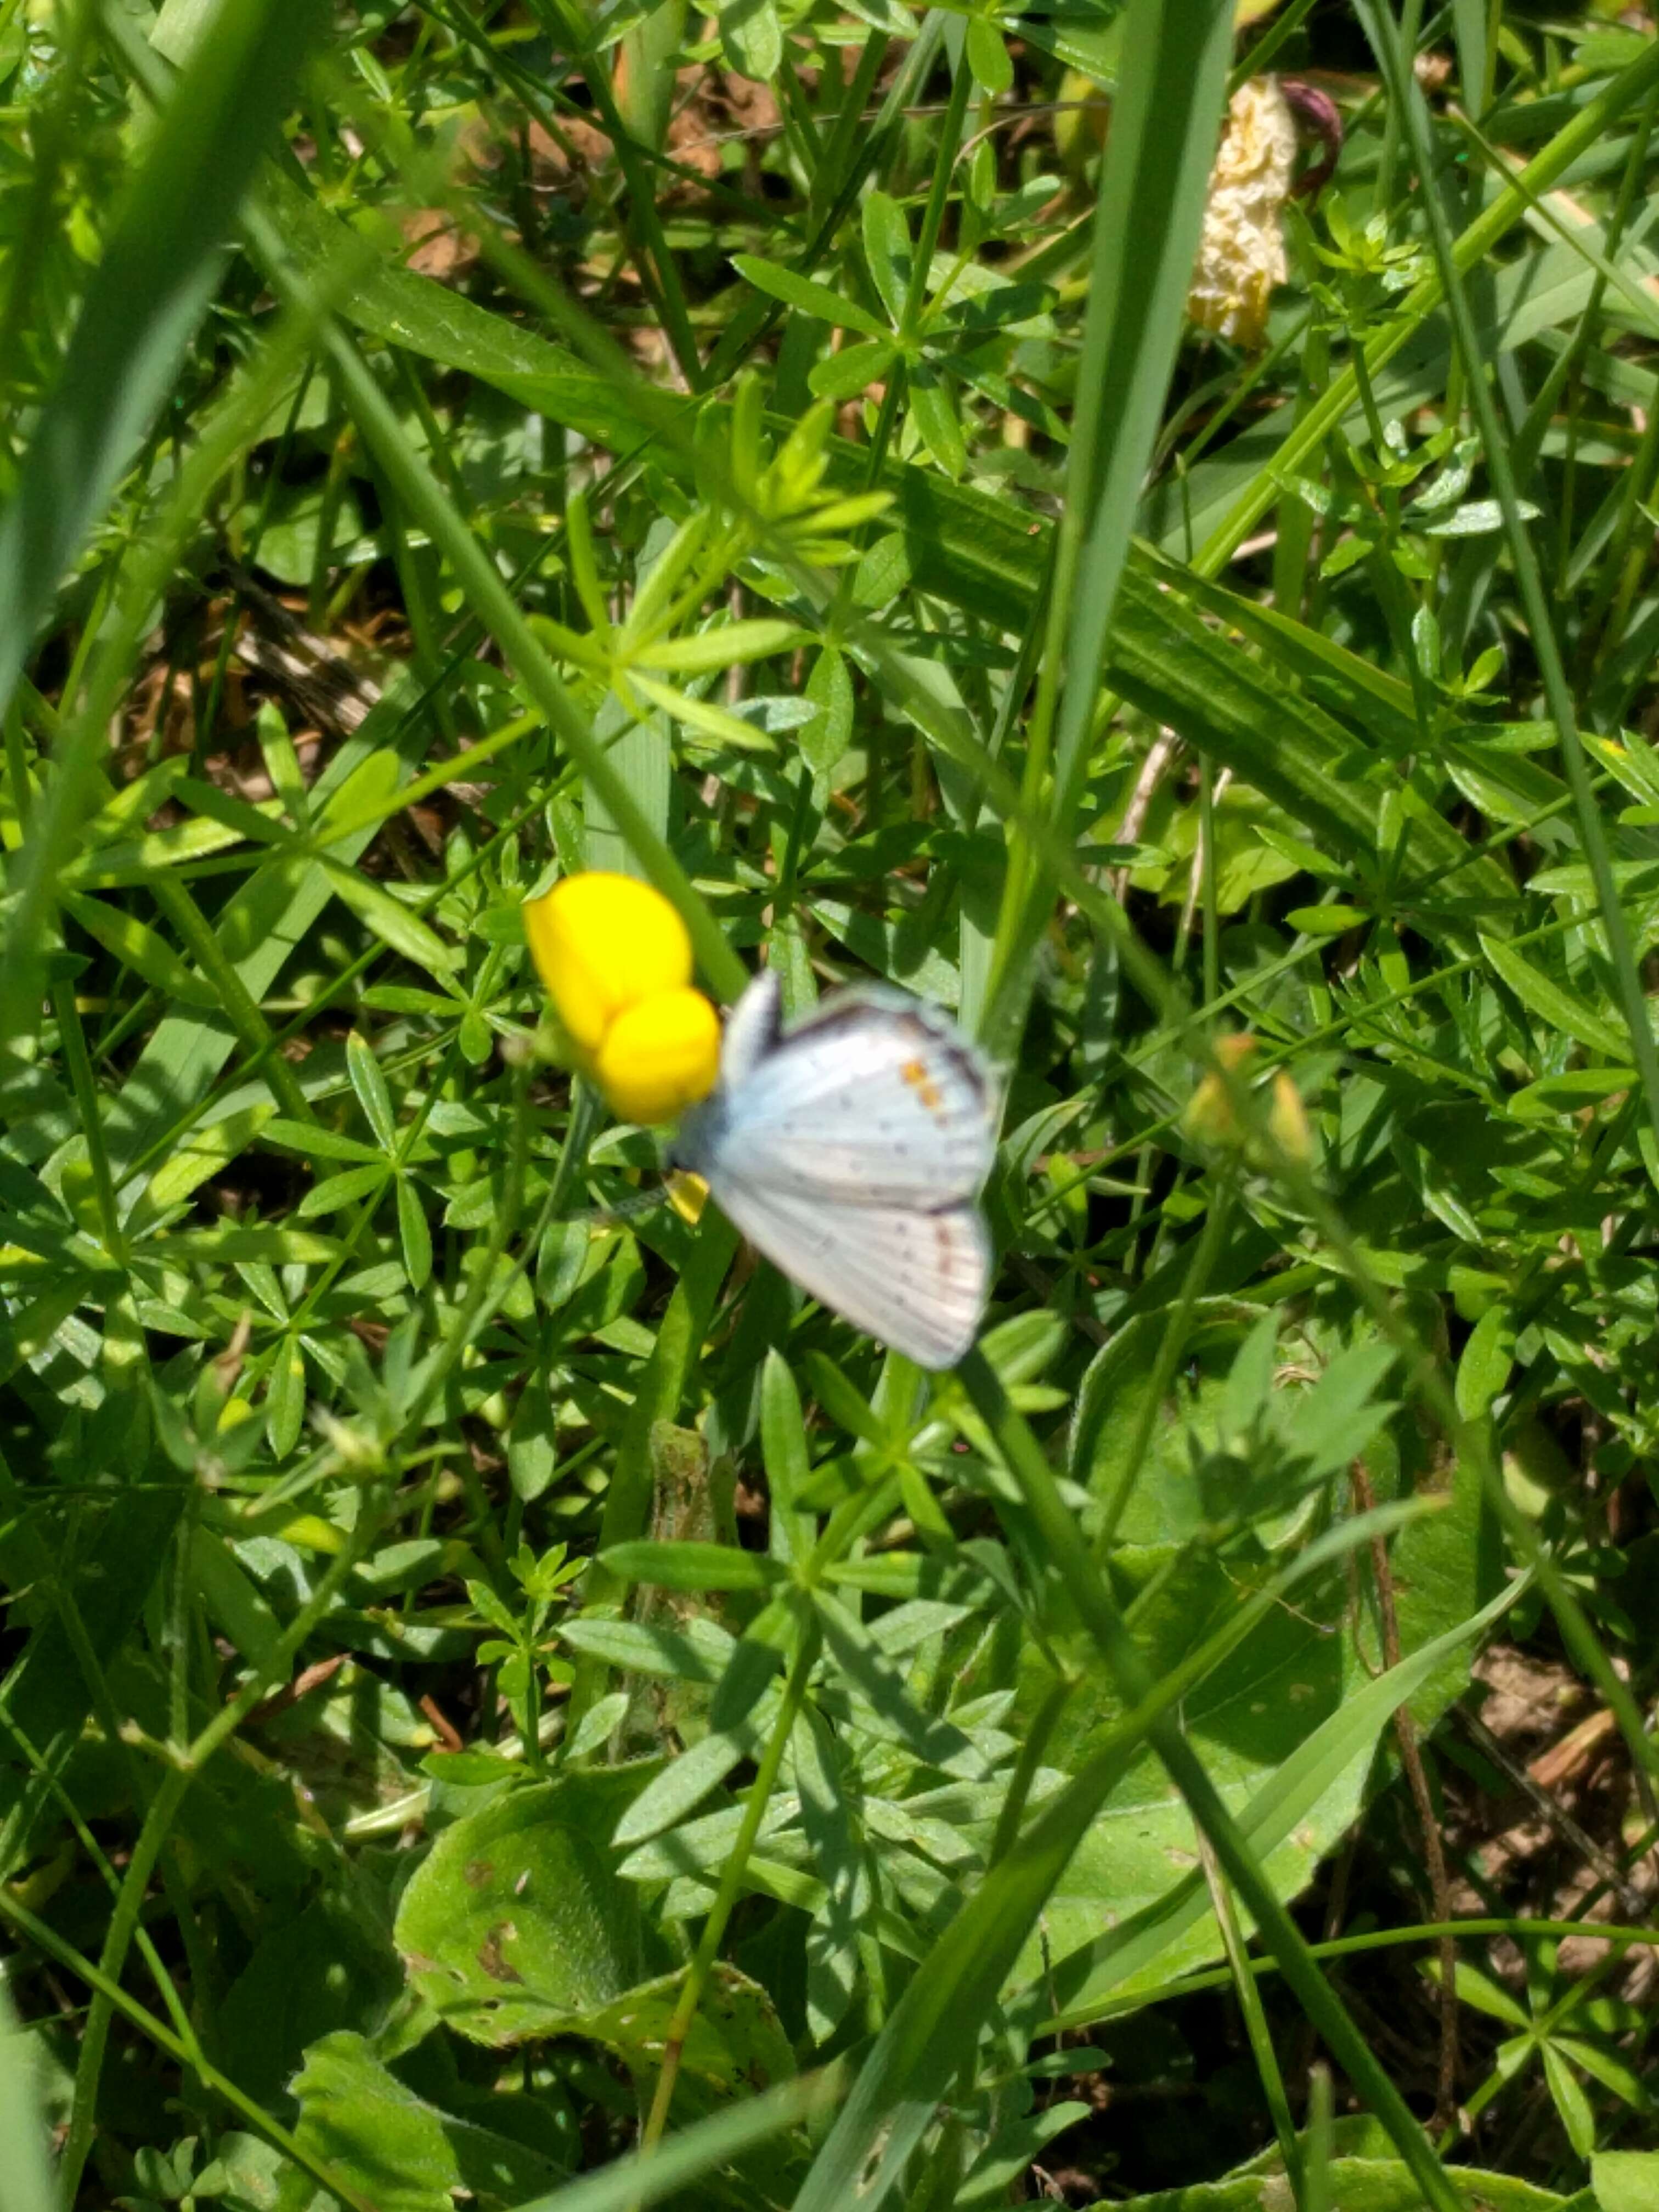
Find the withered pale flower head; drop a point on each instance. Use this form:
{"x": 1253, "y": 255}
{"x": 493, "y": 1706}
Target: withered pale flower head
{"x": 1241, "y": 256}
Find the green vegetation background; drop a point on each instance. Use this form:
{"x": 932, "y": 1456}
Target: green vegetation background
{"x": 503, "y": 1703}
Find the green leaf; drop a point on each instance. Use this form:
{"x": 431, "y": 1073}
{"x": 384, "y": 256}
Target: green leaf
{"x": 391, "y": 921}
{"x": 1153, "y": 185}
{"x": 1327, "y": 921}
{"x": 29, "y": 2186}
{"x": 702, "y": 715}
{"x": 1369, "y": 2182}
{"x": 1485, "y": 1362}
{"x": 318, "y": 1143}
{"x": 232, "y": 1600}
{"x": 228, "y": 1241}
{"x": 335, "y": 1191}
{"x": 373, "y": 1096}
{"x": 415, "y": 1233}
{"x": 751, "y": 37}
{"x": 685, "y": 1782}
{"x": 1558, "y": 1009}
{"x": 892, "y": 1712}
{"x": 890, "y": 252}
{"x": 285, "y": 1397}
{"x": 845, "y": 375}
{"x": 824, "y": 740}
{"x": 1625, "y": 2180}
{"x": 154, "y": 278}
{"x": 207, "y": 1150}
{"x": 807, "y": 296}
{"x": 1569, "y": 2101}
{"x": 933, "y": 408}
{"x": 690, "y": 1566}
{"x": 1309, "y": 1786}
{"x": 138, "y": 947}
{"x": 402, "y": 2153}
{"x": 329, "y": 1968}
{"x": 988, "y": 56}
{"x": 841, "y": 1402}
{"x": 1476, "y": 518}
{"x": 724, "y": 646}
{"x": 736, "y": 2045}
{"x": 783, "y": 1450}
{"x": 701, "y": 1652}
{"x": 515, "y": 1923}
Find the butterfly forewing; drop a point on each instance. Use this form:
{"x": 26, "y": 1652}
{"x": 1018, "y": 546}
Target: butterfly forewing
{"x": 873, "y": 1102}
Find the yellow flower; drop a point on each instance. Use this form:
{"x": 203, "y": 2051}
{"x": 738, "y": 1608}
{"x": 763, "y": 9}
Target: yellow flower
{"x": 604, "y": 943}
{"x": 616, "y": 961}
{"x": 660, "y": 1056}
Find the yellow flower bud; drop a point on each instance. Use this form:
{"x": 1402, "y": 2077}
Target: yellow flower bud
{"x": 1209, "y": 1117}
{"x": 605, "y": 944}
{"x": 660, "y": 1056}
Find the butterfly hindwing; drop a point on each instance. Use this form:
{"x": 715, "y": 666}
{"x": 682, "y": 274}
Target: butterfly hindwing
{"x": 916, "y": 1280}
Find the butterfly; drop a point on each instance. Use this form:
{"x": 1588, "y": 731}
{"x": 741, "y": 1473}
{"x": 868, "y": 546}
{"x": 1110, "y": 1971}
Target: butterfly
{"x": 850, "y": 1150}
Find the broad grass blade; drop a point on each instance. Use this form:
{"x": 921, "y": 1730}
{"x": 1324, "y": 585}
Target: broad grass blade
{"x": 158, "y": 273}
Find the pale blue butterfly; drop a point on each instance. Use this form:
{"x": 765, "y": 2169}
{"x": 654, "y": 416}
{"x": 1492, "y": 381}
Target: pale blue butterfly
{"x": 851, "y": 1150}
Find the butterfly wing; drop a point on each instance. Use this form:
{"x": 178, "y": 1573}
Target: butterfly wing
{"x": 850, "y": 1152}
{"x": 917, "y": 1281}
{"x": 753, "y": 1029}
{"x": 875, "y": 1100}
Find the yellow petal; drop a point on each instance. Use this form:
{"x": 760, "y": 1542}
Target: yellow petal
{"x": 604, "y": 943}
{"x": 660, "y": 1056}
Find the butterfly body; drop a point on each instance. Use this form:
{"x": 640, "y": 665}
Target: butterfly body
{"x": 851, "y": 1150}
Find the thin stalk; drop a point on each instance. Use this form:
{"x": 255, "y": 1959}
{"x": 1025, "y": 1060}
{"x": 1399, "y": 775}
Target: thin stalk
{"x": 1350, "y": 1947}
{"x": 496, "y": 608}
{"x": 916, "y": 297}
{"x": 833, "y": 164}
{"x": 1387, "y": 158}
{"x": 46, "y": 1774}
{"x": 109, "y": 1992}
{"x": 1384, "y": 32}
{"x": 655, "y": 258}
{"x": 1172, "y": 1344}
{"x": 1208, "y": 894}
{"x": 1255, "y": 2024}
{"x": 74, "y": 1042}
{"x": 1057, "y": 1528}
{"x": 1034, "y": 1743}
{"x": 202, "y": 942}
{"x": 1589, "y": 125}
{"x": 1316, "y": 2172}
{"x": 157, "y": 1825}
{"x": 732, "y": 1880}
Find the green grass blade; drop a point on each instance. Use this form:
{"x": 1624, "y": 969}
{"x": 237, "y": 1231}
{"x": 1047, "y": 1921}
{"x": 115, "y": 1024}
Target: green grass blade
{"x": 26, "y": 2184}
{"x": 934, "y": 2029}
{"x": 1158, "y": 158}
{"x": 1058, "y": 1531}
{"x": 153, "y": 285}
{"x": 495, "y": 607}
